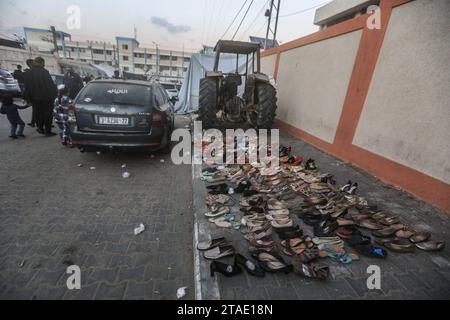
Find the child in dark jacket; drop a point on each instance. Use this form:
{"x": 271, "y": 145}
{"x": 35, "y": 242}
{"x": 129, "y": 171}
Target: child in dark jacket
{"x": 12, "y": 113}
{"x": 60, "y": 114}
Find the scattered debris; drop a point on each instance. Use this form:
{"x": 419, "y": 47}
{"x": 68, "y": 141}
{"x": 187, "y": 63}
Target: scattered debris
{"x": 126, "y": 175}
{"x": 79, "y": 165}
{"x": 181, "y": 292}
{"x": 22, "y": 264}
{"x": 169, "y": 268}
{"x": 152, "y": 156}
{"x": 156, "y": 292}
{"x": 92, "y": 168}
{"x": 99, "y": 153}
{"x": 124, "y": 166}
{"x": 139, "y": 229}
{"x": 162, "y": 160}
{"x": 231, "y": 191}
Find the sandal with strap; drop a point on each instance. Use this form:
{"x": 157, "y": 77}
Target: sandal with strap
{"x": 208, "y": 245}
{"x": 312, "y": 270}
{"x": 271, "y": 262}
{"x": 362, "y": 245}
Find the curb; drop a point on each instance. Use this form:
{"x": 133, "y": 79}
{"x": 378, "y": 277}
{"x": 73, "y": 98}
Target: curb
{"x": 206, "y": 287}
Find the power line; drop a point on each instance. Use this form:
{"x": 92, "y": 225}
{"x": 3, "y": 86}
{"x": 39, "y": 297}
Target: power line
{"x": 235, "y": 17}
{"x": 204, "y": 20}
{"x": 304, "y": 10}
{"x": 245, "y": 15}
{"x": 256, "y": 18}
{"x": 211, "y": 21}
{"x": 219, "y": 18}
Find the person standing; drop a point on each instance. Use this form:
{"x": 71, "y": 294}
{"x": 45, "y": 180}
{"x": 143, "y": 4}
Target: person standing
{"x": 18, "y": 75}
{"x": 42, "y": 92}
{"x": 12, "y": 113}
{"x": 30, "y": 63}
{"x": 73, "y": 82}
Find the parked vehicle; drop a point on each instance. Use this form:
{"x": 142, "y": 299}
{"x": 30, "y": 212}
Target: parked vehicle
{"x": 219, "y": 91}
{"x": 121, "y": 115}
{"x": 58, "y": 79}
{"x": 8, "y": 85}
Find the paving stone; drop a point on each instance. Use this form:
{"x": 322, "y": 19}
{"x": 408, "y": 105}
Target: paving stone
{"x": 108, "y": 291}
{"x": 53, "y": 205}
{"x": 139, "y": 290}
{"x": 404, "y": 276}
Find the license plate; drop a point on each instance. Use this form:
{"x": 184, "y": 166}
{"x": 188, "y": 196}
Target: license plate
{"x": 113, "y": 121}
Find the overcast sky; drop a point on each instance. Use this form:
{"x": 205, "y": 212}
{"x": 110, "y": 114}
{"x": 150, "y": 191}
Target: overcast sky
{"x": 171, "y": 23}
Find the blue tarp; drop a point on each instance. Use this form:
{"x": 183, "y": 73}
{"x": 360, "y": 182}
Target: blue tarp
{"x": 200, "y": 63}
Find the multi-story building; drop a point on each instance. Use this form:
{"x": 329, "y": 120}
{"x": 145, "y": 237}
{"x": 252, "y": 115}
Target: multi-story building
{"x": 124, "y": 54}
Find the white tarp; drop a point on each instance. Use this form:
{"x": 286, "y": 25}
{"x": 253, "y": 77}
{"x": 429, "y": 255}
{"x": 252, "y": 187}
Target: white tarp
{"x": 200, "y": 63}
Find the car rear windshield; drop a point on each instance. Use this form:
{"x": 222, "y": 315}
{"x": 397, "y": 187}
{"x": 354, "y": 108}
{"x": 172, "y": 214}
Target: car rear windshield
{"x": 116, "y": 93}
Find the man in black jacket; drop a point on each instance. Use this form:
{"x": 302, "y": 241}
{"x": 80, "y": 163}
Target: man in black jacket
{"x": 73, "y": 82}
{"x": 42, "y": 92}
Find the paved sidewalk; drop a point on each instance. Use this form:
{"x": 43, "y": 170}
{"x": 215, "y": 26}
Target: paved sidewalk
{"x": 54, "y": 213}
{"x": 421, "y": 275}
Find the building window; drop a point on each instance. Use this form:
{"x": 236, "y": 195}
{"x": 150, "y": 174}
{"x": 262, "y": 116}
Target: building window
{"x": 125, "y": 58}
{"x": 109, "y": 52}
{"x": 164, "y": 68}
{"x": 97, "y": 51}
{"x": 124, "y": 47}
{"x": 139, "y": 66}
{"x": 139, "y": 55}
{"x": 187, "y": 59}
{"x": 82, "y": 50}
{"x": 164, "y": 57}
{"x": 125, "y": 69}
{"x": 174, "y": 58}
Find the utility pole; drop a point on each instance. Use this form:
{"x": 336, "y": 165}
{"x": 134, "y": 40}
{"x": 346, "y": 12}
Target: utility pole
{"x": 269, "y": 14}
{"x": 157, "y": 58}
{"x": 55, "y": 43}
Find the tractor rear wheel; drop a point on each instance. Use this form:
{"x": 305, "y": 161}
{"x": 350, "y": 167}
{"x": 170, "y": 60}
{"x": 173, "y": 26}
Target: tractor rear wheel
{"x": 208, "y": 102}
{"x": 266, "y": 105}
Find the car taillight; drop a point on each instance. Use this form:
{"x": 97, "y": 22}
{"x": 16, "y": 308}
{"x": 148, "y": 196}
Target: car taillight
{"x": 157, "y": 118}
{"x": 71, "y": 113}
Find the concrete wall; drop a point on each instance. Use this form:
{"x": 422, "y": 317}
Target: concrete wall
{"x": 11, "y": 57}
{"x": 406, "y": 117}
{"x": 268, "y": 65}
{"x": 379, "y": 99}
{"x": 312, "y": 84}
{"x": 340, "y": 8}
